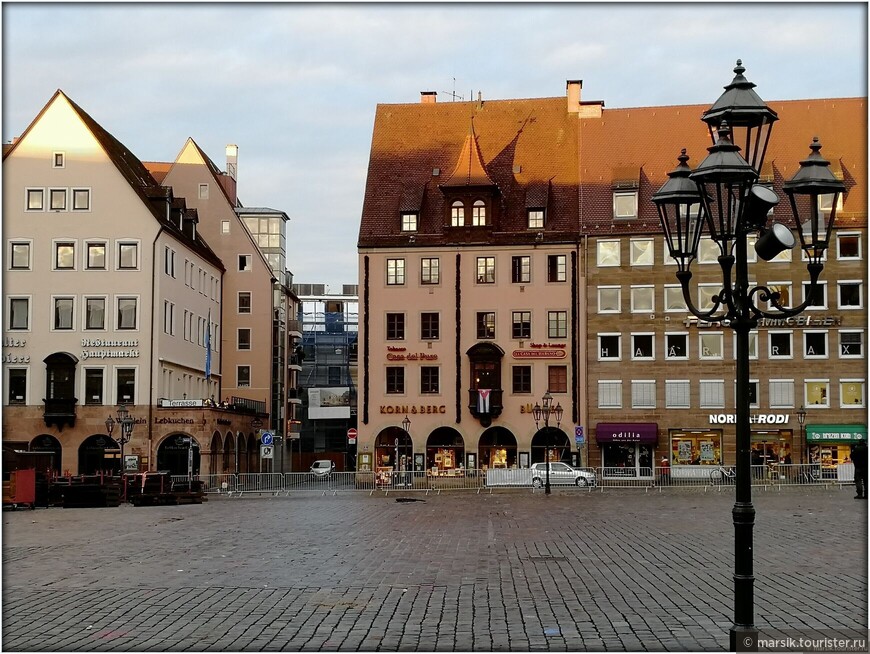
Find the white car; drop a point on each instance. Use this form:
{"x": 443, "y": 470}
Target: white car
{"x": 562, "y": 474}
{"x": 322, "y": 468}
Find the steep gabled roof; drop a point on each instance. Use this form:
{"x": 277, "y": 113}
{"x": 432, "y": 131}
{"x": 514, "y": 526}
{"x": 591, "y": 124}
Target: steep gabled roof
{"x": 469, "y": 170}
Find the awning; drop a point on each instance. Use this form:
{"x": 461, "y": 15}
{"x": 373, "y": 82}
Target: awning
{"x": 627, "y": 432}
{"x": 836, "y": 433}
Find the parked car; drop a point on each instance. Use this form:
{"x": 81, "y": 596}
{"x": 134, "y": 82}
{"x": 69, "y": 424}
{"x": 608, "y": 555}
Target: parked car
{"x": 322, "y": 468}
{"x": 561, "y": 473}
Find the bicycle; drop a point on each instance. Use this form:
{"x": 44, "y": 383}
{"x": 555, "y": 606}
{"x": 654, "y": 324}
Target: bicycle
{"x": 723, "y": 475}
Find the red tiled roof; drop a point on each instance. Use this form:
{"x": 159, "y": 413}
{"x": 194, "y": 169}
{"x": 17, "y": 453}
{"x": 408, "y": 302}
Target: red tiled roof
{"x": 469, "y": 169}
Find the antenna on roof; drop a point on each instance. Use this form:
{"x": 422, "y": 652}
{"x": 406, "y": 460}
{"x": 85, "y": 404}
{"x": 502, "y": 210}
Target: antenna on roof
{"x": 452, "y": 94}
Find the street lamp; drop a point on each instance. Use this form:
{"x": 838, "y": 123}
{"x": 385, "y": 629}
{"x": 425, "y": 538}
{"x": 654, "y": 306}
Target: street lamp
{"x": 541, "y": 412}
{"x": 125, "y": 422}
{"x": 802, "y": 416}
{"x": 723, "y": 195}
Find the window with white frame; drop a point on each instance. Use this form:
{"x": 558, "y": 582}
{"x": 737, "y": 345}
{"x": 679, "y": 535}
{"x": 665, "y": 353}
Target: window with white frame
{"x": 521, "y": 324}
{"x": 203, "y": 191}
{"x": 478, "y": 213}
{"x": 429, "y": 380}
{"x": 127, "y": 312}
{"x": 395, "y": 326}
{"x": 168, "y": 318}
{"x": 521, "y": 269}
{"x": 536, "y": 218}
{"x": 674, "y": 299}
{"x": 610, "y": 347}
{"x": 128, "y": 256}
{"x": 409, "y": 221}
{"x": 430, "y": 326}
{"x": 676, "y": 346}
{"x": 624, "y": 205}
{"x": 125, "y": 385}
{"x": 780, "y": 345}
{"x": 430, "y": 270}
{"x": 849, "y": 295}
{"x": 243, "y": 376}
{"x": 486, "y": 270}
{"x": 826, "y": 202}
{"x": 169, "y": 261}
{"x": 243, "y": 338}
{"x": 609, "y": 299}
{"x": 57, "y": 199}
{"x": 395, "y": 380}
{"x": 817, "y": 393}
{"x": 95, "y": 256}
{"x": 64, "y": 255}
{"x": 18, "y": 313}
{"x": 677, "y": 394}
{"x": 244, "y": 302}
{"x": 457, "y": 214}
{"x": 815, "y": 344}
{"x": 57, "y": 160}
{"x": 852, "y": 394}
{"x": 81, "y": 199}
{"x": 19, "y": 255}
{"x": 557, "y": 268}
{"x": 667, "y": 258}
{"x": 711, "y": 345}
{"x": 753, "y": 345}
{"x": 783, "y": 257}
{"x": 34, "y": 199}
{"x": 708, "y": 250}
{"x": 395, "y": 272}
{"x": 225, "y": 227}
{"x": 642, "y": 252}
{"x": 705, "y": 295}
{"x": 781, "y": 392}
{"x": 643, "y": 299}
{"x": 607, "y": 253}
{"x": 557, "y": 324}
{"x": 95, "y": 313}
{"x": 64, "y": 308}
{"x": 245, "y": 263}
{"x": 784, "y": 290}
{"x": 642, "y": 347}
{"x": 485, "y": 325}
{"x": 753, "y": 390}
{"x": 609, "y": 394}
{"x": 712, "y": 393}
{"x": 849, "y": 246}
{"x": 819, "y": 298}
{"x": 94, "y": 385}
{"x": 851, "y": 344}
{"x": 643, "y": 394}
{"x": 751, "y": 255}
{"x": 16, "y": 384}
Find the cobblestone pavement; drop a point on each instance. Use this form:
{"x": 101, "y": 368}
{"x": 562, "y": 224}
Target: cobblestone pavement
{"x": 511, "y": 571}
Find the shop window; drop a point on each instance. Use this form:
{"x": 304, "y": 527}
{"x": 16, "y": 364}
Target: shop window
{"x": 557, "y": 324}
{"x": 395, "y": 326}
{"x": 643, "y": 299}
{"x": 126, "y": 386}
{"x": 17, "y": 386}
{"x": 94, "y": 387}
{"x": 815, "y": 344}
{"x": 622, "y": 460}
{"x": 95, "y": 313}
{"x": 63, "y": 313}
{"x": 609, "y": 394}
{"x": 819, "y": 298}
{"x": 851, "y": 344}
{"x": 677, "y": 394}
{"x": 35, "y": 199}
{"x": 817, "y": 393}
{"x": 781, "y": 392}
{"x": 429, "y": 326}
{"x": 607, "y": 253}
{"x": 521, "y": 379}
{"x": 429, "y": 380}
{"x": 395, "y": 380}
{"x": 643, "y": 394}
{"x": 19, "y": 255}
{"x": 780, "y": 345}
{"x": 128, "y": 256}
{"x": 521, "y": 270}
{"x": 557, "y": 268}
{"x": 536, "y": 218}
{"x": 485, "y": 325}
{"x": 696, "y": 449}
{"x": 395, "y": 272}
{"x": 609, "y": 347}
{"x": 430, "y": 271}
{"x": 409, "y": 221}
{"x": 521, "y": 322}
{"x": 19, "y": 313}
{"x": 478, "y": 213}
{"x": 641, "y": 252}
{"x": 676, "y": 346}
{"x": 849, "y": 247}
{"x": 852, "y": 393}
{"x": 609, "y": 299}
{"x": 486, "y": 270}
{"x": 849, "y": 295}
{"x": 711, "y": 345}
{"x": 457, "y": 214}
{"x": 642, "y": 347}
{"x": 64, "y": 255}
{"x": 557, "y": 379}
{"x": 674, "y": 299}
{"x": 712, "y": 393}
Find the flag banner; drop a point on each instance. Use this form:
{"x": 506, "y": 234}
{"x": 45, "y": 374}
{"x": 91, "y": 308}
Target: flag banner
{"x": 483, "y": 400}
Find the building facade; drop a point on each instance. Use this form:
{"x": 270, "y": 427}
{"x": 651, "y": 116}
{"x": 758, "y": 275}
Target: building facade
{"x": 510, "y": 248}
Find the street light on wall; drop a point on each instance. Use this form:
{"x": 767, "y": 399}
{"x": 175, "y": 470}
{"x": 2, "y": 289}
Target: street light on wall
{"x": 723, "y": 195}
{"x": 802, "y": 416}
{"x": 542, "y": 412}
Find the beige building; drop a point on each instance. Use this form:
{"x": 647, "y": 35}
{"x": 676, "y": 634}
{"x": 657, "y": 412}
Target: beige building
{"x": 508, "y": 248}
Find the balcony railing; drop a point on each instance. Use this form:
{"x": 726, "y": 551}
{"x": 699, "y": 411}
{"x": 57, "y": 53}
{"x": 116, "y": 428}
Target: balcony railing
{"x": 60, "y": 412}
{"x": 245, "y": 405}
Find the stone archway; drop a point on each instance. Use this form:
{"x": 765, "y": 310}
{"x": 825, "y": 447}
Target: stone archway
{"x": 391, "y": 443}
{"x": 553, "y": 440}
{"x": 99, "y": 453}
{"x": 445, "y": 451}
{"x": 48, "y": 443}
{"x": 174, "y": 451}
{"x": 214, "y": 454}
{"x": 497, "y": 448}
{"x": 228, "y": 462}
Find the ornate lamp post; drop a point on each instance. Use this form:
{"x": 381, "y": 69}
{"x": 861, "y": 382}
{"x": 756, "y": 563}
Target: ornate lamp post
{"x": 802, "y": 416}
{"x": 541, "y": 412}
{"x": 125, "y": 422}
{"x": 723, "y": 195}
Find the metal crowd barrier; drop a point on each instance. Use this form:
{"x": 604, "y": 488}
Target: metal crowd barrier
{"x": 428, "y": 481}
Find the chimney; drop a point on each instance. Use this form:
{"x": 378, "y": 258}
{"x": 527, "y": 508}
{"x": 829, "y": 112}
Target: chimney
{"x": 428, "y": 97}
{"x": 232, "y": 160}
{"x": 574, "y": 87}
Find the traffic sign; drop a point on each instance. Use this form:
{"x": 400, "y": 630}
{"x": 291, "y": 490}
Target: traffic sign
{"x": 266, "y": 438}
{"x": 266, "y": 451}
{"x": 351, "y": 435}
{"x": 579, "y": 438}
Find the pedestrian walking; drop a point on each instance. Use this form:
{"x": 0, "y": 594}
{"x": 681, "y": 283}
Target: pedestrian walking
{"x": 859, "y": 459}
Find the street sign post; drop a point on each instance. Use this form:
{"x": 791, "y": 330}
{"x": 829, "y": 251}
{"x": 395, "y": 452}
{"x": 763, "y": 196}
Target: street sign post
{"x": 351, "y": 436}
{"x": 267, "y": 452}
{"x": 267, "y": 438}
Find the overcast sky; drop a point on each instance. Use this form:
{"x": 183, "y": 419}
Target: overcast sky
{"x": 295, "y": 86}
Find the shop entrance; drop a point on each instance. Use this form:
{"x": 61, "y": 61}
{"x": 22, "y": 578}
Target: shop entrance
{"x": 48, "y": 443}
{"x": 551, "y": 444}
{"x": 497, "y": 448}
{"x": 445, "y": 452}
{"x": 627, "y": 460}
{"x": 99, "y": 453}
{"x": 173, "y": 453}
{"x": 393, "y": 455}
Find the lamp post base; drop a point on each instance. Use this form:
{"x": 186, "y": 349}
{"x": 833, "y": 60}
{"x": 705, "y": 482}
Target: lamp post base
{"x": 743, "y": 638}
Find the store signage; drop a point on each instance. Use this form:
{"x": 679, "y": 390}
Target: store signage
{"x": 539, "y": 354}
{"x": 795, "y": 321}
{"x": 174, "y": 421}
{"x": 402, "y": 354}
{"x": 758, "y": 419}
{"x": 389, "y": 409}
{"x": 180, "y": 404}
{"x": 14, "y": 342}
{"x": 110, "y": 343}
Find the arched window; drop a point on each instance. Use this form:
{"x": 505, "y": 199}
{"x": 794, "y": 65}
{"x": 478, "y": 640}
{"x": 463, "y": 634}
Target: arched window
{"x": 457, "y": 214}
{"x": 478, "y": 213}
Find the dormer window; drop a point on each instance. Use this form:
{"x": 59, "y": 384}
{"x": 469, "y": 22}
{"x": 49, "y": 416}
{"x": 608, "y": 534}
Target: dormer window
{"x": 457, "y": 214}
{"x": 409, "y": 221}
{"x": 536, "y": 218}
{"x": 624, "y": 205}
{"x": 478, "y": 213}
